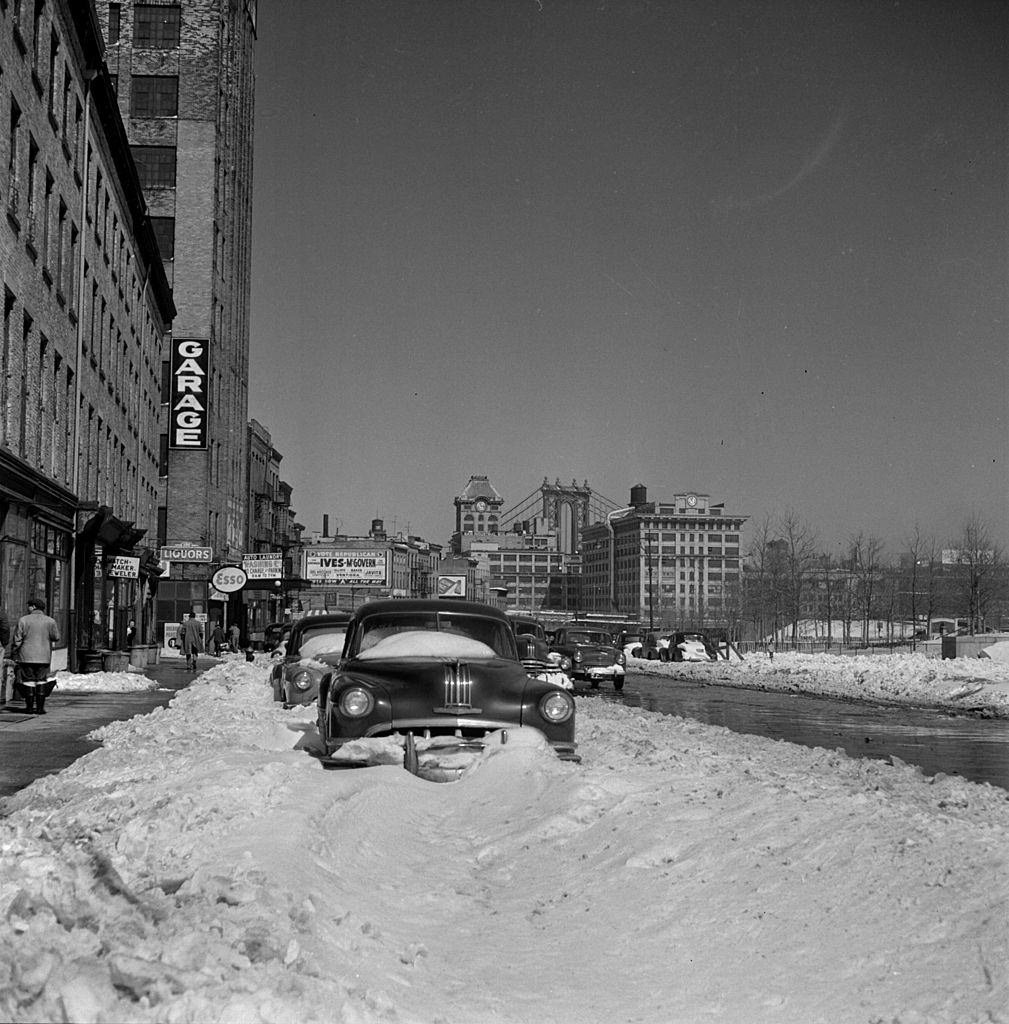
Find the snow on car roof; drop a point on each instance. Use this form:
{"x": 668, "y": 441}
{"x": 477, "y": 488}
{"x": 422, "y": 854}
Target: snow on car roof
{"x": 421, "y": 643}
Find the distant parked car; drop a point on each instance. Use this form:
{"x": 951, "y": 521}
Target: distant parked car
{"x": 690, "y": 647}
{"x": 655, "y": 646}
{"x": 313, "y": 648}
{"x": 589, "y": 654}
{"x": 535, "y": 653}
{"x": 428, "y": 683}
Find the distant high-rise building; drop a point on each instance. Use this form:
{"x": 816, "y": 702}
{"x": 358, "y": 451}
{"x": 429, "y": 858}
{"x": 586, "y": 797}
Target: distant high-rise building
{"x": 185, "y": 83}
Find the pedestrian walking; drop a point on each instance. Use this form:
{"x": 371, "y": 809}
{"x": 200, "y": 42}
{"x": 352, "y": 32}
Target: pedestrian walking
{"x": 32, "y": 647}
{"x": 216, "y": 639}
{"x": 191, "y": 639}
{"x": 131, "y": 632}
{"x": 236, "y": 636}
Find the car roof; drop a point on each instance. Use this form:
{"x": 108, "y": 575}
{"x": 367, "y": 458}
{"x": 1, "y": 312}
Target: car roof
{"x": 327, "y": 619}
{"x": 435, "y": 604}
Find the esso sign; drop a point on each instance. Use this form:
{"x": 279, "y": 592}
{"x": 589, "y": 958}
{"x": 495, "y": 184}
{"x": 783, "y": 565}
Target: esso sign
{"x": 229, "y": 579}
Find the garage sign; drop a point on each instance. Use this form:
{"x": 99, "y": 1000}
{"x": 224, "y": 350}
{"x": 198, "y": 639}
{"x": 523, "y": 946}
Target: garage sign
{"x": 187, "y": 427}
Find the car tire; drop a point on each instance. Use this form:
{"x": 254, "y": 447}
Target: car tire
{"x": 594, "y": 683}
{"x": 663, "y": 655}
{"x": 650, "y": 656}
{"x": 566, "y": 663}
{"x": 618, "y": 684}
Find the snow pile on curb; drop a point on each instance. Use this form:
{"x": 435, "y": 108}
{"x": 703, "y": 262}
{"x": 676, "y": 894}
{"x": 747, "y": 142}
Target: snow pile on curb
{"x": 104, "y": 682}
{"x": 976, "y": 684}
{"x": 201, "y": 866}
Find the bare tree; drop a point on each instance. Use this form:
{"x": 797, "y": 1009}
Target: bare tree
{"x": 865, "y": 563}
{"x": 798, "y": 552}
{"x": 920, "y": 578}
{"x": 979, "y": 561}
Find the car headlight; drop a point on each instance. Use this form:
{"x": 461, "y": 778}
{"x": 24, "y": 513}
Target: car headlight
{"x": 355, "y": 702}
{"x": 302, "y": 680}
{"x": 576, "y": 657}
{"x": 621, "y": 660}
{"x": 557, "y": 707}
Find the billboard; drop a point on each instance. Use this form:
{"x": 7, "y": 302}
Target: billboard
{"x": 187, "y": 424}
{"x": 451, "y": 586}
{"x": 342, "y": 567}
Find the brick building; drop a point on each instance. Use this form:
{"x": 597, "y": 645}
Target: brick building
{"x": 185, "y": 84}
{"x": 86, "y": 309}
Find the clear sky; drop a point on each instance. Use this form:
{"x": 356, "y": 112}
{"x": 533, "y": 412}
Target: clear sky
{"x": 752, "y": 249}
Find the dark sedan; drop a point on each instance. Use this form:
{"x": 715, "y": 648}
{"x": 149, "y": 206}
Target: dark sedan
{"x": 313, "y": 648}
{"x": 429, "y": 683}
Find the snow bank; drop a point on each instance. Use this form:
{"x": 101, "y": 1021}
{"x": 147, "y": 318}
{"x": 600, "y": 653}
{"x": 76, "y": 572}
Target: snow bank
{"x": 978, "y": 685}
{"x": 202, "y": 867}
{"x": 103, "y": 682}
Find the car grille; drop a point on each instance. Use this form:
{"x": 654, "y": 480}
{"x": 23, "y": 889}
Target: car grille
{"x": 458, "y": 691}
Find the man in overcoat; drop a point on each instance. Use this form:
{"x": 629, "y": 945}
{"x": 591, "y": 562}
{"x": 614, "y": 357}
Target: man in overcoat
{"x": 191, "y": 639}
{"x": 34, "y": 638}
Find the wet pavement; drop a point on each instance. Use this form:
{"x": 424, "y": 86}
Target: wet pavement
{"x": 35, "y": 745}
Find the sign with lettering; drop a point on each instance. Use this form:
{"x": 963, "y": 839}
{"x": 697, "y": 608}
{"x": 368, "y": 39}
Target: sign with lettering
{"x": 263, "y": 565}
{"x": 187, "y": 413}
{"x": 229, "y": 579}
{"x": 343, "y": 567}
{"x": 124, "y": 567}
{"x": 187, "y": 553}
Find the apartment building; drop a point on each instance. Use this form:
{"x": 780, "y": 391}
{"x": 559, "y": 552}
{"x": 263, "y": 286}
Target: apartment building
{"x": 87, "y": 307}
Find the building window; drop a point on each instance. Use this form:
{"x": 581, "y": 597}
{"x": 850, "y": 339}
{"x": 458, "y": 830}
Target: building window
{"x": 155, "y": 165}
{"x": 156, "y": 26}
{"x": 113, "y": 24}
{"x": 154, "y": 96}
{"x": 164, "y": 232}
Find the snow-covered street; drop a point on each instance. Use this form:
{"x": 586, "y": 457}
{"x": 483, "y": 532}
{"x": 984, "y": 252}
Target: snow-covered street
{"x": 202, "y": 867}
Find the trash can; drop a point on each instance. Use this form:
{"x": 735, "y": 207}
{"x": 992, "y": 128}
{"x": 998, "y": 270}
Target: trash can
{"x": 115, "y": 661}
{"x": 89, "y": 661}
{"x": 949, "y": 646}
{"x": 138, "y": 655}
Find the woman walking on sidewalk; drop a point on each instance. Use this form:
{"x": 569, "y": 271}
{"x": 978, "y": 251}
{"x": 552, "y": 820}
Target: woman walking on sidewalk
{"x": 34, "y": 637}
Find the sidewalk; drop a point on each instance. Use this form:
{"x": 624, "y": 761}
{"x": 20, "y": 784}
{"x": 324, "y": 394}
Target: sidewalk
{"x": 32, "y": 746}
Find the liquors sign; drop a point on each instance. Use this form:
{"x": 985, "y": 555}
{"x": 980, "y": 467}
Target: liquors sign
{"x": 187, "y": 427}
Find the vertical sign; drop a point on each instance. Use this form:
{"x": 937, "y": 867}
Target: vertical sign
{"x": 187, "y": 426}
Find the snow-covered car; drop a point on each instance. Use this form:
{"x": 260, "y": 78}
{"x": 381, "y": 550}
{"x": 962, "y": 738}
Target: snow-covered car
{"x": 430, "y": 684}
{"x": 689, "y": 647}
{"x": 535, "y": 653}
{"x": 313, "y": 648}
{"x": 589, "y": 654}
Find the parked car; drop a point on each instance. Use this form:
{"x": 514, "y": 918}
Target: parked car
{"x": 535, "y": 653}
{"x": 314, "y": 647}
{"x": 631, "y": 644}
{"x": 655, "y": 646}
{"x": 589, "y": 654}
{"x": 431, "y": 683}
{"x": 690, "y": 647}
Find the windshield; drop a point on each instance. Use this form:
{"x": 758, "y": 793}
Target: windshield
{"x": 323, "y": 641}
{"x": 589, "y": 638}
{"x": 493, "y": 633}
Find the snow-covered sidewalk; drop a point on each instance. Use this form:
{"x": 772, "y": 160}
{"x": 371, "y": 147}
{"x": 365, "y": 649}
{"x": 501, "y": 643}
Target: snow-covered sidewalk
{"x": 202, "y": 867}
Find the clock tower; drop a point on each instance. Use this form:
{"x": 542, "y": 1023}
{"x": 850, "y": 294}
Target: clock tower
{"x": 477, "y": 509}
